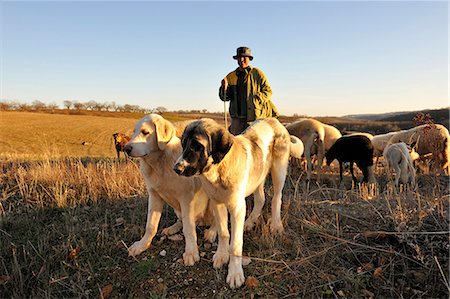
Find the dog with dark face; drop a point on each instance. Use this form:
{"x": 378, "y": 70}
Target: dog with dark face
{"x": 233, "y": 167}
{"x": 120, "y": 139}
{"x": 156, "y": 143}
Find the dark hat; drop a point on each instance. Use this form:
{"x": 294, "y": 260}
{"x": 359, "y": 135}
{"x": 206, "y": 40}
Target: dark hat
{"x": 243, "y": 51}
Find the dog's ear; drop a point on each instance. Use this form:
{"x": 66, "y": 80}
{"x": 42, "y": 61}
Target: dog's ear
{"x": 164, "y": 132}
{"x": 221, "y": 142}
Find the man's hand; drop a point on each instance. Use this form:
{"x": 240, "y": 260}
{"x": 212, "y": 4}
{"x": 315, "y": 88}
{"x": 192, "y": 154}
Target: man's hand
{"x": 225, "y": 83}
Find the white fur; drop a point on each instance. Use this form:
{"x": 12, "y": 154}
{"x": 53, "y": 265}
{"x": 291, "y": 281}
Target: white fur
{"x": 398, "y": 158}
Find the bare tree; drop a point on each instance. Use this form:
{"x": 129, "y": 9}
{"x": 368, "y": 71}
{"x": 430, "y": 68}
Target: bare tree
{"x": 90, "y": 105}
{"x": 38, "y": 105}
{"x": 68, "y": 104}
{"x": 79, "y": 106}
{"x": 160, "y": 109}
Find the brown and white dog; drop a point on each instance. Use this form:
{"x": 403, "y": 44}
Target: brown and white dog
{"x": 233, "y": 167}
{"x": 120, "y": 139}
{"x": 155, "y": 142}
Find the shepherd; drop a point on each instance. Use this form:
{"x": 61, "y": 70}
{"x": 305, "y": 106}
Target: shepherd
{"x": 248, "y": 91}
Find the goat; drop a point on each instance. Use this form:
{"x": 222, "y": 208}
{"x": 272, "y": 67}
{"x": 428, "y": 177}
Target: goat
{"x": 317, "y": 138}
{"x": 354, "y": 149}
{"x": 399, "y": 157}
{"x": 120, "y": 139}
{"x": 427, "y": 139}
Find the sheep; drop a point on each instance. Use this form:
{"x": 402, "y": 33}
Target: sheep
{"x": 399, "y": 157}
{"x": 120, "y": 139}
{"x": 427, "y": 139}
{"x": 317, "y": 138}
{"x": 368, "y": 135}
{"x": 379, "y": 142}
{"x": 354, "y": 149}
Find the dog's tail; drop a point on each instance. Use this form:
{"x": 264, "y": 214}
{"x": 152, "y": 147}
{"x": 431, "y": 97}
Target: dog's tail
{"x": 297, "y": 147}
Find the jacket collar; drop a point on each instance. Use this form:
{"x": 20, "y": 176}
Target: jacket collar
{"x": 246, "y": 70}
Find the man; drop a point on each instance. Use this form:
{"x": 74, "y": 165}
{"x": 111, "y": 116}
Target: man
{"x": 248, "y": 91}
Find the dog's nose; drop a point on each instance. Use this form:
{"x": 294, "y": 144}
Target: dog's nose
{"x": 179, "y": 168}
{"x": 128, "y": 148}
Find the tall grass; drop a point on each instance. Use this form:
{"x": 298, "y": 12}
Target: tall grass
{"x": 68, "y": 182}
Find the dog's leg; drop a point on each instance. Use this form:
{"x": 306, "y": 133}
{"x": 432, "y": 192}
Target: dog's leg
{"x": 190, "y": 255}
{"x": 279, "y": 171}
{"x": 174, "y": 228}
{"x": 155, "y": 207}
{"x": 235, "y": 277}
{"x": 211, "y": 233}
{"x": 257, "y": 207}
{"x": 222, "y": 254}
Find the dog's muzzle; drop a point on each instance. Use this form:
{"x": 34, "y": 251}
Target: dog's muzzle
{"x": 180, "y": 166}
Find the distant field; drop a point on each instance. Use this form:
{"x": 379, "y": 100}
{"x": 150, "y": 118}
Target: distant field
{"x": 36, "y": 135}
{"x": 29, "y": 135}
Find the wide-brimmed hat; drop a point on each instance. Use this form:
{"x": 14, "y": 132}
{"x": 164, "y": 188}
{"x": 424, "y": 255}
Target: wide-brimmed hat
{"x": 243, "y": 51}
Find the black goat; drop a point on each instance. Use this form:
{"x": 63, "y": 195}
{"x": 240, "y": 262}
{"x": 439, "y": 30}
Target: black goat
{"x": 354, "y": 149}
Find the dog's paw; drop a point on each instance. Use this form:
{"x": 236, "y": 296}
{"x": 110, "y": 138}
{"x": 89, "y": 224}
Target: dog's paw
{"x": 190, "y": 258}
{"x": 137, "y": 248}
{"x": 220, "y": 258}
{"x": 235, "y": 278}
{"x": 210, "y": 235}
{"x": 249, "y": 224}
{"x": 276, "y": 228}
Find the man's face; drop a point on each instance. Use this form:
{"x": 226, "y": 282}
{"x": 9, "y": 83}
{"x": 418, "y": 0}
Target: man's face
{"x": 243, "y": 62}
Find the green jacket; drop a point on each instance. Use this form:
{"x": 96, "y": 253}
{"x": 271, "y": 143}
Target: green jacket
{"x": 258, "y": 96}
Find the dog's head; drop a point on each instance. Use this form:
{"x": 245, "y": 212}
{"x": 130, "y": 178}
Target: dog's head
{"x": 151, "y": 134}
{"x": 205, "y": 143}
{"x": 120, "y": 139}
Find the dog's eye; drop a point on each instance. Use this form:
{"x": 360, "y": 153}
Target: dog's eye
{"x": 196, "y": 146}
{"x": 145, "y": 132}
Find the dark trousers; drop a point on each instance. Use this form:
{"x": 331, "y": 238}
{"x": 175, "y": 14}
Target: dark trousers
{"x": 238, "y": 125}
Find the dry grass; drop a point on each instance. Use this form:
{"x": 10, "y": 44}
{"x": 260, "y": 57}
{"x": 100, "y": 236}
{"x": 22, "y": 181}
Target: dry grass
{"x": 65, "y": 224}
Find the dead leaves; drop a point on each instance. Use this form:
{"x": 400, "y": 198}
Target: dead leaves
{"x": 73, "y": 252}
{"x": 106, "y": 291}
{"x": 251, "y": 282}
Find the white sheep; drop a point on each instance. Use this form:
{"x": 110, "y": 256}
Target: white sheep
{"x": 317, "y": 138}
{"x": 368, "y": 135}
{"x": 379, "y": 143}
{"x": 399, "y": 157}
{"x": 427, "y": 139}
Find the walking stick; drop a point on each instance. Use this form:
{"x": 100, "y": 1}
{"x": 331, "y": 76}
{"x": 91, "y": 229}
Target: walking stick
{"x": 225, "y": 87}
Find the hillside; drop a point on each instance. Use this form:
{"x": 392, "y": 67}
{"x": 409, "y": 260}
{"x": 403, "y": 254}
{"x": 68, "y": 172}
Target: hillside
{"x": 437, "y": 115}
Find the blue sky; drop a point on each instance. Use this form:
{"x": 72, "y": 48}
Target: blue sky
{"x": 322, "y": 58}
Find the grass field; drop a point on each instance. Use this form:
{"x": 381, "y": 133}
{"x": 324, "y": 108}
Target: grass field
{"x": 68, "y": 213}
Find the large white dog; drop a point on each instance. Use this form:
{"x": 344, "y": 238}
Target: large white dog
{"x": 233, "y": 167}
{"x": 155, "y": 142}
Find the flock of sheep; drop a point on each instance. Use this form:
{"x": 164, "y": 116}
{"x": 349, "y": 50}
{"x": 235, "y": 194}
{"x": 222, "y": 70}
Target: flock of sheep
{"x": 399, "y": 149}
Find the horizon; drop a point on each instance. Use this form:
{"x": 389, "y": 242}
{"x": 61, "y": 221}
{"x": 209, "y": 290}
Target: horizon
{"x": 329, "y": 58}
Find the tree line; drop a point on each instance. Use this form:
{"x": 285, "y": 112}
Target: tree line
{"x": 77, "y": 106}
